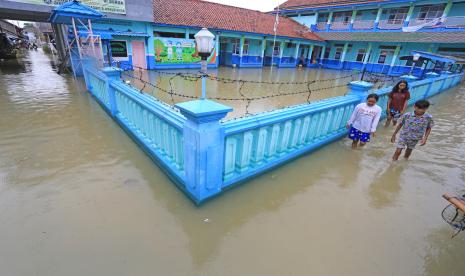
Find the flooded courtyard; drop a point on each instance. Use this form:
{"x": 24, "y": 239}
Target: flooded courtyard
{"x": 78, "y": 197}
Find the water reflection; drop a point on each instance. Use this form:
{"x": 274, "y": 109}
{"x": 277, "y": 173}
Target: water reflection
{"x": 386, "y": 184}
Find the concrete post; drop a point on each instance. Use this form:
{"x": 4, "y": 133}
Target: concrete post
{"x": 263, "y": 50}
{"x": 203, "y": 147}
{"x": 186, "y": 34}
{"x": 446, "y": 10}
{"x": 409, "y": 15}
{"x": 394, "y": 58}
{"x": 296, "y": 53}
{"x": 343, "y": 55}
{"x": 328, "y": 23}
{"x": 322, "y": 54}
{"x": 360, "y": 89}
{"x": 281, "y": 51}
{"x": 241, "y": 50}
{"x": 352, "y": 20}
{"x": 367, "y": 56}
{"x": 217, "y": 49}
{"x": 309, "y": 54}
{"x": 112, "y": 74}
{"x": 378, "y": 17}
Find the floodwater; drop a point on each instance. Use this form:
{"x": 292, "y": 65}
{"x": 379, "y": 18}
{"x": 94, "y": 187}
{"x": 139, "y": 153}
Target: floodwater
{"x": 261, "y": 90}
{"x": 78, "y": 197}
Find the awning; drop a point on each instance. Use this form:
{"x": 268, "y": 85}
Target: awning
{"x": 108, "y": 34}
{"x": 434, "y": 57}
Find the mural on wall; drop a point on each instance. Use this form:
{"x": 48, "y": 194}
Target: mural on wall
{"x": 111, "y": 6}
{"x": 178, "y": 50}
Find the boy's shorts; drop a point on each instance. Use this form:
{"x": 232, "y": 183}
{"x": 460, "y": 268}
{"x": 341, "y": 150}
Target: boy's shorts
{"x": 405, "y": 143}
{"x": 357, "y": 135}
{"x": 395, "y": 114}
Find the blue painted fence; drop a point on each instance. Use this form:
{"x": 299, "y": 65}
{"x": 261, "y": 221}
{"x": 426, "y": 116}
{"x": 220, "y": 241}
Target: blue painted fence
{"x": 205, "y": 156}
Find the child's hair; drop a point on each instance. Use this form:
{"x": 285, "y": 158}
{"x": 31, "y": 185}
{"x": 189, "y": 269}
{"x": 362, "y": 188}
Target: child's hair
{"x": 373, "y": 95}
{"x": 396, "y": 87}
{"x": 422, "y": 104}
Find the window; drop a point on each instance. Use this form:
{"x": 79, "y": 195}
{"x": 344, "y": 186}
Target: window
{"x": 430, "y": 12}
{"x": 337, "y": 54}
{"x": 327, "y": 51}
{"x": 276, "y": 50}
{"x": 236, "y": 46}
{"x": 383, "y": 55}
{"x": 342, "y": 17}
{"x": 361, "y": 55}
{"x": 118, "y": 48}
{"x": 397, "y": 16}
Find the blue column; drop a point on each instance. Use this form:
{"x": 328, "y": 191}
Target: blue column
{"x": 378, "y": 17}
{"x": 328, "y": 23}
{"x": 352, "y": 20}
{"x": 360, "y": 89}
{"x": 113, "y": 74}
{"x": 203, "y": 147}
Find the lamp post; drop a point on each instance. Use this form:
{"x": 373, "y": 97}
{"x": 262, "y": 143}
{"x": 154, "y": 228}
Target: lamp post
{"x": 204, "y": 43}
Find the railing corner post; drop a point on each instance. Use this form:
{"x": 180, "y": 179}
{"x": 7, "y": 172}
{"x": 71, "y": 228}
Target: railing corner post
{"x": 112, "y": 74}
{"x": 203, "y": 147}
{"x": 360, "y": 89}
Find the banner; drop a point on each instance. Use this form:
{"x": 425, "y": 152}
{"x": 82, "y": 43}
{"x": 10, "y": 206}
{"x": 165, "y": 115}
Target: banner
{"x": 178, "y": 51}
{"x": 113, "y": 6}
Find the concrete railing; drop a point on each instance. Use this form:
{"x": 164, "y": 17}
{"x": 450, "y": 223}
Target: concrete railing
{"x": 205, "y": 156}
{"x": 390, "y": 24}
{"x": 363, "y": 24}
{"x": 339, "y": 25}
{"x": 454, "y": 22}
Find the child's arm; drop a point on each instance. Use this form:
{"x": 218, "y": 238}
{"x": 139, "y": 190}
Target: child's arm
{"x": 425, "y": 137}
{"x": 407, "y": 97}
{"x": 375, "y": 122}
{"x": 353, "y": 117}
{"x": 388, "y": 107}
{"x": 399, "y": 126}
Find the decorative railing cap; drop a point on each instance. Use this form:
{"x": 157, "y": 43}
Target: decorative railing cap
{"x": 203, "y": 111}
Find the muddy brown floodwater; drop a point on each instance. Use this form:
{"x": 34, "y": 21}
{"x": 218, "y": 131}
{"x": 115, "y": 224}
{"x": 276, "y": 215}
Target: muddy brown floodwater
{"x": 78, "y": 197}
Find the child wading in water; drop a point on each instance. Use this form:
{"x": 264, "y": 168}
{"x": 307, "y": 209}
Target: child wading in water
{"x": 397, "y": 103}
{"x": 363, "y": 121}
{"x": 416, "y": 126}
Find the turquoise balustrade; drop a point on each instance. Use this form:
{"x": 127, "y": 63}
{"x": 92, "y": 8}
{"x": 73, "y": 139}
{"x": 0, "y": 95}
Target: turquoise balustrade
{"x": 257, "y": 143}
{"x": 205, "y": 156}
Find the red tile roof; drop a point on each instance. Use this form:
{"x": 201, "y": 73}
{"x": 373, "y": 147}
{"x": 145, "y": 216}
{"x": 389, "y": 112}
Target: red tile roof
{"x": 324, "y": 3}
{"x": 197, "y": 13}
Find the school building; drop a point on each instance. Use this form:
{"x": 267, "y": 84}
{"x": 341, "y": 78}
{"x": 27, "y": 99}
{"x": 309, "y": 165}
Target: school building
{"x": 370, "y": 34}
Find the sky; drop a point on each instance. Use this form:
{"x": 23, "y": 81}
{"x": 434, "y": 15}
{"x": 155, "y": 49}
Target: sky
{"x": 261, "y": 5}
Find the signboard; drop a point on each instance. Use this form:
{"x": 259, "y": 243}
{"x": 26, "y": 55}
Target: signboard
{"x": 178, "y": 51}
{"x": 110, "y": 6}
{"x": 118, "y": 48}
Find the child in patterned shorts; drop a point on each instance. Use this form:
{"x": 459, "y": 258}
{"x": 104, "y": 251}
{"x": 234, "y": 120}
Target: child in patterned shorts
{"x": 416, "y": 126}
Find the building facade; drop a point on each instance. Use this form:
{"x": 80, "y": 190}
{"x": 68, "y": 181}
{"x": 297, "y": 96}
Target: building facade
{"x": 374, "y": 34}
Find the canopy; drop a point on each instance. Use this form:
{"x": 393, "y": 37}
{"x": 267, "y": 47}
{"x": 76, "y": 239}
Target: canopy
{"x": 63, "y": 14}
{"x": 109, "y": 34}
{"x": 434, "y": 57}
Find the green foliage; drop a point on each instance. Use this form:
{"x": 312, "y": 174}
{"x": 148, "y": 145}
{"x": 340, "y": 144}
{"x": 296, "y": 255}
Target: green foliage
{"x": 46, "y": 49}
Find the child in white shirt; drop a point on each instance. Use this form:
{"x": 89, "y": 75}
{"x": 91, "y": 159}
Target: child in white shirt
{"x": 363, "y": 121}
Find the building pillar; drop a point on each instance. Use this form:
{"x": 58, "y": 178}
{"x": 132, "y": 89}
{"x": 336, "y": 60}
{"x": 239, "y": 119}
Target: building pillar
{"x": 446, "y": 11}
{"x": 296, "y": 53}
{"x": 241, "y": 50}
{"x": 203, "y": 147}
{"x": 394, "y": 58}
{"x": 352, "y": 20}
{"x": 409, "y": 15}
{"x": 217, "y": 49}
{"x": 328, "y": 23}
{"x": 186, "y": 34}
{"x": 367, "y": 56}
{"x": 378, "y": 17}
{"x": 263, "y": 50}
{"x": 322, "y": 54}
{"x": 281, "y": 51}
{"x": 309, "y": 54}
{"x": 343, "y": 55}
